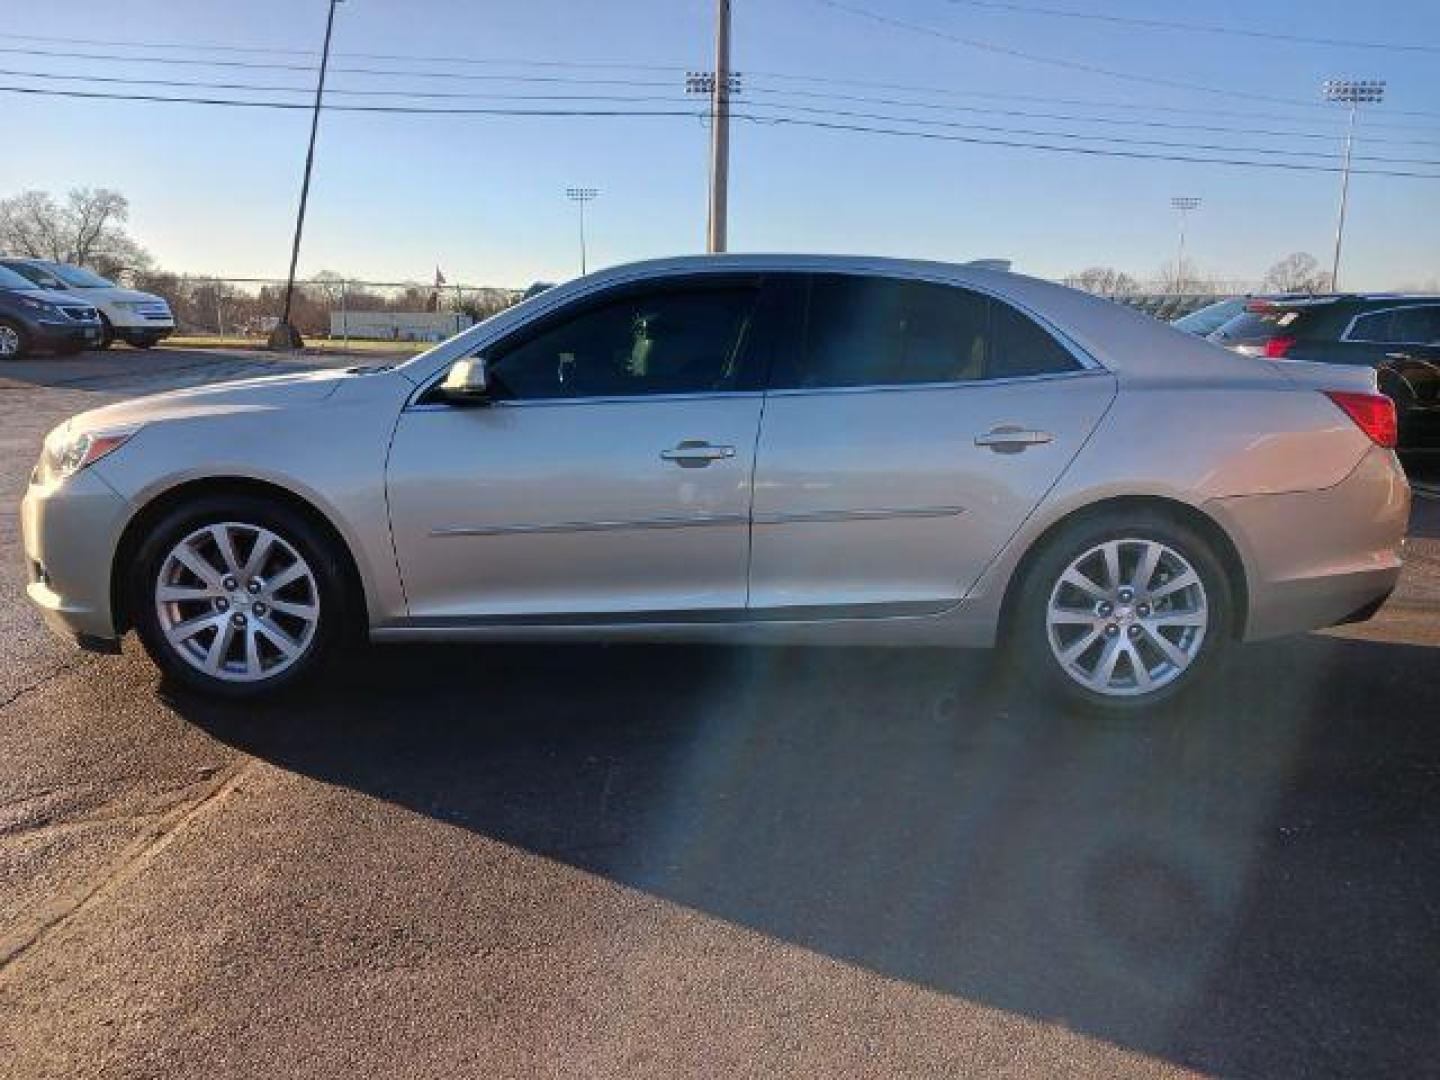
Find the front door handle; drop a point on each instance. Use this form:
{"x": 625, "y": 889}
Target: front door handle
{"x": 696, "y": 454}
{"x": 1009, "y": 439}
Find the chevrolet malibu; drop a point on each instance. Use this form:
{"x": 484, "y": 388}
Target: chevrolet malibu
{"x": 753, "y": 449}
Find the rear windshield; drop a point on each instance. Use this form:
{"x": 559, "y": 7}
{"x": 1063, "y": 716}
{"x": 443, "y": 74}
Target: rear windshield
{"x": 1259, "y": 324}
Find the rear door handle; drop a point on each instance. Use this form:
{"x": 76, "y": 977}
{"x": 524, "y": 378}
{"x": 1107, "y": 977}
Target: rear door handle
{"x": 1008, "y": 439}
{"x": 696, "y": 454}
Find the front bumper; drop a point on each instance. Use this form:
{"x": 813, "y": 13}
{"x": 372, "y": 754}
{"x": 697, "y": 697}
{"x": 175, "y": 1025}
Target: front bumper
{"x": 152, "y": 332}
{"x": 1318, "y": 558}
{"x": 63, "y": 335}
{"x": 69, "y": 531}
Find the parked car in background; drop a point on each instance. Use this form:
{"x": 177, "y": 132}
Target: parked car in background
{"x": 1398, "y": 335}
{"x": 752, "y": 449}
{"x": 32, "y": 318}
{"x": 137, "y": 318}
{"x": 1211, "y": 317}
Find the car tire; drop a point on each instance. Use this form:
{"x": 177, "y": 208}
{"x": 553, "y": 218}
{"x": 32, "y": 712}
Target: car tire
{"x": 107, "y": 333}
{"x": 1156, "y": 636}
{"x": 207, "y": 624}
{"x": 144, "y": 343}
{"x": 13, "y": 342}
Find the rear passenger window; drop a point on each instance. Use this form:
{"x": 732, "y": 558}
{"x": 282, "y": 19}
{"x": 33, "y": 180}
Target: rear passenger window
{"x": 1023, "y": 347}
{"x": 873, "y": 331}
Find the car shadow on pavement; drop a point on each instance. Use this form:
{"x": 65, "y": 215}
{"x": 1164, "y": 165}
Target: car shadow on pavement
{"x": 1245, "y": 885}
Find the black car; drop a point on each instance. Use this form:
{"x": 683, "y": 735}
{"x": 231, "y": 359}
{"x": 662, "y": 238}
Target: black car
{"x": 1397, "y": 335}
{"x": 33, "y": 318}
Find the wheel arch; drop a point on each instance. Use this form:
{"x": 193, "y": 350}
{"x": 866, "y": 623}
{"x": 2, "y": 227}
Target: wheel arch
{"x": 161, "y": 504}
{"x": 1180, "y": 512}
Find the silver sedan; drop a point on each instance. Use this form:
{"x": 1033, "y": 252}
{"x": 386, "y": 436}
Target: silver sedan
{"x": 740, "y": 449}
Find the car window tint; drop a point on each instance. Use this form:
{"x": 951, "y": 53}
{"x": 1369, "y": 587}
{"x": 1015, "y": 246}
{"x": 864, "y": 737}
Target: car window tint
{"x": 874, "y": 331}
{"x": 1023, "y": 347}
{"x": 671, "y": 342}
{"x": 1416, "y": 325}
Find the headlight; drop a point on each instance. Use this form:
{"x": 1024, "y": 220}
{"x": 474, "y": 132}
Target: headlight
{"x": 66, "y": 452}
{"x": 40, "y": 305}
{"x": 130, "y": 305}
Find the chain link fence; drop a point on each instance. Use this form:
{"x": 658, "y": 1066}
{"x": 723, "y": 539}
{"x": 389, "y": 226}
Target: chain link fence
{"x": 331, "y": 307}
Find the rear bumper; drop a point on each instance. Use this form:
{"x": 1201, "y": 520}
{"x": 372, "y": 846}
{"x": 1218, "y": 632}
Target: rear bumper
{"x": 1318, "y": 558}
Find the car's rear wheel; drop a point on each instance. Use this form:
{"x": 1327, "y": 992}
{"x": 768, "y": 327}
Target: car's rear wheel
{"x": 12, "y": 340}
{"x": 1124, "y": 611}
{"x": 236, "y": 597}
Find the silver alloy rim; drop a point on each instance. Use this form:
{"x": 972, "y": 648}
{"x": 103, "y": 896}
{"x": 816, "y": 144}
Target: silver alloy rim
{"x": 1127, "y": 617}
{"x": 237, "y": 602}
{"x": 9, "y": 342}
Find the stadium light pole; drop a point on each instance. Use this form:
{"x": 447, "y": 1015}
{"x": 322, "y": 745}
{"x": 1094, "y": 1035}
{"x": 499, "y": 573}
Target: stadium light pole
{"x": 1182, "y": 204}
{"x": 285, "y": 336}
{"x": 580, "y": 196}
{"x": 1352, "y": 93}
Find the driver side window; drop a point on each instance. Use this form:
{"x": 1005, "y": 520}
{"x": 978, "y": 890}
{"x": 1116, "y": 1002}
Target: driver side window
{"x": 682, "y": 341}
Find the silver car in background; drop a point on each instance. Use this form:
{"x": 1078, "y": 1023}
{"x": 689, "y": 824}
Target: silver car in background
{"x": 828, "y": 450}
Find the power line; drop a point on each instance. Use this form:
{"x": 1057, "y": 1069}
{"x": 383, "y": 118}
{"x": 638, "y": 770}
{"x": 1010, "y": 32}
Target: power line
{"x": 779, "y": 105}
{"x": 691, "y": 113}
{"x": 781, "y": 102}
{"x": 633, "y": 83}
{"x": 1072, "y": 65}
{"x": 250, "y": 65}
{"x": 1194, "y": 28}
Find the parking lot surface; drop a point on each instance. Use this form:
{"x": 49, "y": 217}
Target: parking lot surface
{"x": 630, "y": 861}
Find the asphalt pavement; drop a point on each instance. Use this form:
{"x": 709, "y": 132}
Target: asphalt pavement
{"x": 597, "y": 861}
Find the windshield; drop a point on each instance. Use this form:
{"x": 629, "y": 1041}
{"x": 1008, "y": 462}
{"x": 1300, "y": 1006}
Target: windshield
{"x": 1210, "y": 317}
{"x": 79, "y": 278}
{"x": 9, "y": 279}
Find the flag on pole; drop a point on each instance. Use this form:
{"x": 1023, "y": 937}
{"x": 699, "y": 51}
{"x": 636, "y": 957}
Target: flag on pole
{"x": 439, "y": 277}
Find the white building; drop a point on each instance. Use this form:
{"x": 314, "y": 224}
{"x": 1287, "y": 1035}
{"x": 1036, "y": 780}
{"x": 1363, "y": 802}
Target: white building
{"x": 398, "y": 325}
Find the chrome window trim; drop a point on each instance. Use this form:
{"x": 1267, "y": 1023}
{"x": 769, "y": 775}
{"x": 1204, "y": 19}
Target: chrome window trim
{"x": 1347, "y": 339}
{"x": 612, "y": 399}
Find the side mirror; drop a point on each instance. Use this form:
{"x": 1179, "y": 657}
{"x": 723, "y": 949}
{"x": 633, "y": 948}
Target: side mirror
{"x": 466, "y": 383}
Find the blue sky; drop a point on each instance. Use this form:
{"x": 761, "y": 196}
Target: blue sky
{"x": 213, "y": 190}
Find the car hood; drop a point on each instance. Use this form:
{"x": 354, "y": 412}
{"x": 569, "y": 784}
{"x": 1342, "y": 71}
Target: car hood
{"x": 248, "y": 395}
{"x": 113, "y": 295}
{"x": 50, "y": 296}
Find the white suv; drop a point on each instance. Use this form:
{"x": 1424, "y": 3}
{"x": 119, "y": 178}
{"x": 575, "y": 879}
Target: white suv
{"x": 137, "y": 318}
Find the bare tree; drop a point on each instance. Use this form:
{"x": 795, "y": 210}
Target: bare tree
{"x": 88, "y": 230}
{"x": 1104, "y": 281}
{"x": 1297, "y": 273}
{"x": 1184, "y": 278}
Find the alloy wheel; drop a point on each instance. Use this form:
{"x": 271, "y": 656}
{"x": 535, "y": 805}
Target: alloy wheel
{"x": 9, "y": 342}
{"x": 237, "y": 602}
{"x": 1127, "y": 617}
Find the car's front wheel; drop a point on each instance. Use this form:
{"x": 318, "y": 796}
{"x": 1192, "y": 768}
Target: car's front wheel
{"x": 12, "y": 340}
{"x": 235, "y": 596}
{"x": 1124, "y": 611}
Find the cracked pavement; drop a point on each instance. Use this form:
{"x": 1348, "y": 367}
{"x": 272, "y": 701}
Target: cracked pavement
{"x": 628, "y": 861}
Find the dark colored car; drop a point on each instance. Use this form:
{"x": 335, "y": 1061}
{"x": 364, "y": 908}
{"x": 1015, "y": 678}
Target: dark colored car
{"x": 33, "y": 318}
{"x": 1397, "y": 335}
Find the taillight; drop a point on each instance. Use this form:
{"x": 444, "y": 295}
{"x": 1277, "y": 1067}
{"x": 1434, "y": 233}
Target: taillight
{"x": 1373, "y": 414}
{"x": 1277, "y": 347}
